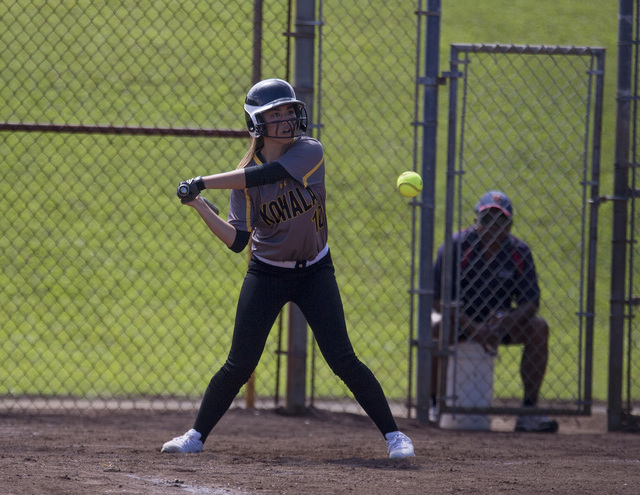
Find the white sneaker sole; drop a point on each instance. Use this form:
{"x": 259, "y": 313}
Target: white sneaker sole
{"x": 401, "y": 455}
{"x": 176, "y": 449}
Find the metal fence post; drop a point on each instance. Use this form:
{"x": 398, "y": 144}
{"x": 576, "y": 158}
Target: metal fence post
{"x": 425, "y": 279}
{"x": 619, "y": 235}
{"x": 295, "y": 402}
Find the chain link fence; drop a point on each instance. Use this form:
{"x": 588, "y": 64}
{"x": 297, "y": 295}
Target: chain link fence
{"x": 526, "y": 121}
{"x": 113, "y": 295}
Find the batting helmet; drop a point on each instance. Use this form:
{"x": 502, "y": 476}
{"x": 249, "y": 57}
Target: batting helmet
{"x": 266, "y": 95}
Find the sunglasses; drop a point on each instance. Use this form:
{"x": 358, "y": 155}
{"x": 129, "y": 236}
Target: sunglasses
{"x": 493, "y": 216}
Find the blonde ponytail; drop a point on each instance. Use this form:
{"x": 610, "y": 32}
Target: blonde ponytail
{"x": 255, "y": 145}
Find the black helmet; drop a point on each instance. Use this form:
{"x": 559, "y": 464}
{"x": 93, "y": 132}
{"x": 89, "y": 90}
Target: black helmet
{"x": 266, "y": 95}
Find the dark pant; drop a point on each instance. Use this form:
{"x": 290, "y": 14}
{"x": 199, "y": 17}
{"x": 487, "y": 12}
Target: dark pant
{"x": 266, "y": 289}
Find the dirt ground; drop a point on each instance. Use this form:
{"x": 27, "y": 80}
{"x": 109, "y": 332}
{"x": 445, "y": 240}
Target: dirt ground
{"x": 260, "y": 451}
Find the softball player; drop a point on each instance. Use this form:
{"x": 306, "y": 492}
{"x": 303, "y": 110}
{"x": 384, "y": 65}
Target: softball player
{"x": 278, "y": 199}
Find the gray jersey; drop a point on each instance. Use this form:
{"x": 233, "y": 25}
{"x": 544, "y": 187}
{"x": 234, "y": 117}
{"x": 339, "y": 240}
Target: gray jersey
{"x": 287, "y": 219}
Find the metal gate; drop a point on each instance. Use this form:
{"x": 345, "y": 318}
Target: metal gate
{"x": 526, "y": 120}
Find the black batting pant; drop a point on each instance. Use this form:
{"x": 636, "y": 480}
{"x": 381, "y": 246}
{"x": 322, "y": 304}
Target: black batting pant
{"x": 266, "y": 289}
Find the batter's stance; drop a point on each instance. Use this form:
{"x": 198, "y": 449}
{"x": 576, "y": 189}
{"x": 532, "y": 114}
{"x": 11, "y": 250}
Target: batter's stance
{"x": 278, "y": 199}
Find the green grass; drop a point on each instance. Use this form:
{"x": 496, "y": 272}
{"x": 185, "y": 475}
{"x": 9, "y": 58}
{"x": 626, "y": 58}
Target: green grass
{"x": 111, "y": 289}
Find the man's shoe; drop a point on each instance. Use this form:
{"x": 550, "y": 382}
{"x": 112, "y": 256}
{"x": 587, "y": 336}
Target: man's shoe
{"x": 399, "y": 445}
{"x": 434, "y": 417}
{"x": 189, "y": 443}
{"x": 536, "y": 424}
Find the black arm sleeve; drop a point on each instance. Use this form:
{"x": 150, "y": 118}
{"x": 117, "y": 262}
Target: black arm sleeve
{"x": 241, "y": 241}
{"x": 267, "y": 173}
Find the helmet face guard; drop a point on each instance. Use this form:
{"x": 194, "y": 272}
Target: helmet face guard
{"x": 269, "y": 94}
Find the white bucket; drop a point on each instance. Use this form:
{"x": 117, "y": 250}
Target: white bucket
{"x": 470, "y": 385}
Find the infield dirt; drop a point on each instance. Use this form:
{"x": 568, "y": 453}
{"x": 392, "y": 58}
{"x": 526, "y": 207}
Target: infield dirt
{"x": 260, "y": 451}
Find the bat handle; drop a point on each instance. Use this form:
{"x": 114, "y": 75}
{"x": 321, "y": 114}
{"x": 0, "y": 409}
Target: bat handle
{"x": 183, "y": 191}
{"x": 213, "y": 207}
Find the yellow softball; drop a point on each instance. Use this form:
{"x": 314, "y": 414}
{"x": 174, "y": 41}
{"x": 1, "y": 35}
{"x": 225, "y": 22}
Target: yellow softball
{"x": 409, "y": 184}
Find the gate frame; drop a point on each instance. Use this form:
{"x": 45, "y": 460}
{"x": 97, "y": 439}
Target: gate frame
{"x": 584, "y": 402}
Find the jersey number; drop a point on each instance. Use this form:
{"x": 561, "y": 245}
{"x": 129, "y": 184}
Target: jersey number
{"x": 319, "y": 218}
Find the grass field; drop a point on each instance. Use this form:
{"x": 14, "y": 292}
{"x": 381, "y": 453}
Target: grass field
{"x": 109, "y": 288}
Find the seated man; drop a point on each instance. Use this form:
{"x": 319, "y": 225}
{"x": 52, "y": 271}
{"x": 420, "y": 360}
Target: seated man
{"x": 499, "y": 297}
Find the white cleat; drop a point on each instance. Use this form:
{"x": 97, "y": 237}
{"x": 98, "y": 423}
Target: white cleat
{"x": 189, "y": 443}
{"x": 399, "y": 445}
